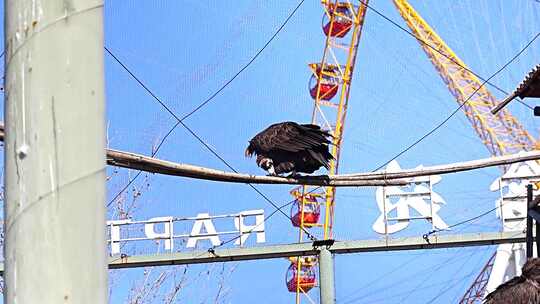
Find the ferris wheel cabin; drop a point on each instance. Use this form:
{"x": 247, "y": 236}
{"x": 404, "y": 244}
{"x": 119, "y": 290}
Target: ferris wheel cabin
{"x": 325, "y": 81}
{"x": 342, "y": 24}
{"x": 305, "y": 211}
{"x": 301, "y": 277}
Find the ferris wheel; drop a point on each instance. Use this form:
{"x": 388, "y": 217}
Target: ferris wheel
{"x": 329, "y": 88}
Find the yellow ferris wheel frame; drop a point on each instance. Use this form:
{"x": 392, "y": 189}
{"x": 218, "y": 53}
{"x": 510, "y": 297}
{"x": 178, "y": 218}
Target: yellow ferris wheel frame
{"x": 330, "y": 115}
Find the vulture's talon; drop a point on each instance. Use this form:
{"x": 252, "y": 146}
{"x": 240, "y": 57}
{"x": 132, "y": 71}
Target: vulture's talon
{"x": 294, "y": 175}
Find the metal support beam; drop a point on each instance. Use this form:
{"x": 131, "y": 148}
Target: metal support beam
{"x": 326, "y": 276}
{"x": 529, "y": 242}
{"x": 55, "y": 152}
{"x": 533, "y": 216}
{"x": 307, "y": 249}
{"x": 503, "y": 103}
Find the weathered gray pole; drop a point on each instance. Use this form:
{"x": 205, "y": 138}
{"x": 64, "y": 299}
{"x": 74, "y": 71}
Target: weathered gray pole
{"x": 326, "y": 276}
{"x": 55, "y": 152}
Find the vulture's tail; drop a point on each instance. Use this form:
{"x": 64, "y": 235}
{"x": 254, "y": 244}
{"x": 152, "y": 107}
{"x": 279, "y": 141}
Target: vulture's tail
{"x": 322, "y": 156}
{"x": 320, "y": 140}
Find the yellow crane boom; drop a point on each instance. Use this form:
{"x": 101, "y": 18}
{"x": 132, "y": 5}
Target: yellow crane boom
{"x": 501, "y": 133}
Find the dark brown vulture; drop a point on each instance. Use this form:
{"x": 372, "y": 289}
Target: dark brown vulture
{"x": 524, "y": 289}
{"x": 291, "y": 147}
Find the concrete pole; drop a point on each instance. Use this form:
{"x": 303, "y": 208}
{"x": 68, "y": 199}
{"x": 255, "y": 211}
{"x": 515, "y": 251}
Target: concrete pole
{"x": 55, "y": 152}
{"x": 326, "y": 276}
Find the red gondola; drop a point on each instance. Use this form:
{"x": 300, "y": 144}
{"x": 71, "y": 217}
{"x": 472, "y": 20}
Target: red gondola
{"x": 329, "y": 82}
{"x": 305, "y": 278}
{"x": 342, "y": 20}
{"x": 311, "y": 211}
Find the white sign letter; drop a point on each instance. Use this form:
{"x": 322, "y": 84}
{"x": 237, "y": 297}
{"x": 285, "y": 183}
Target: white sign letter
{"x": 418, "y": 200}
{"x": 246, "y": 230}
{"x": 167, "y": 230}
{"x": 513, "y": 200}
{"x": 115, "y": 234}
{"x": 203, "y": 219}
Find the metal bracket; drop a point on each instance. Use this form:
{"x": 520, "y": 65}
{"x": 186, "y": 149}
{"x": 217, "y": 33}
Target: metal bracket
{"x": 326, "y": 243}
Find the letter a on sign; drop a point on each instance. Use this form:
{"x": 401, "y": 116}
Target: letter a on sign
{"x": 203, "y": 220}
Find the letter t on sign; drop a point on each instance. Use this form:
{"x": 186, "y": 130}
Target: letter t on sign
{"x": 115, "y": 234}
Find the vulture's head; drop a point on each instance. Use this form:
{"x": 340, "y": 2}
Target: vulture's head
{"x": 266, "y": 163}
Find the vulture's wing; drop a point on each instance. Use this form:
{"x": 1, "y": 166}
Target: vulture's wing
{"x": 293, "y": 137}
{"x": 287, "y": 136}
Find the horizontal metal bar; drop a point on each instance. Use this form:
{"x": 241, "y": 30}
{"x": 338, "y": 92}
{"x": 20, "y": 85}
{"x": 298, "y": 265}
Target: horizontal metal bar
{"x": 514, "y": 218}
{"x": 514, "y": 197}
{"x": 408, "y": 194}
{"x": 435, "y": 242}
{"x": 306, "y": 249}
{"x": 183, "y": 219}
{"x": 523, "y": 177}
{"x": 303, "y": 249}
{"x": 408, "y": 218}
{"x": 185, "y": 236}
{"x": 219, "y": 255}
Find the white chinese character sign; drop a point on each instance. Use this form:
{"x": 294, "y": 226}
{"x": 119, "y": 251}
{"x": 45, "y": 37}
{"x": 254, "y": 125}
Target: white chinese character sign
{"x": 512, "y": 205}
{"x": 512, "y": 210}
{"x": 419, "y": 196}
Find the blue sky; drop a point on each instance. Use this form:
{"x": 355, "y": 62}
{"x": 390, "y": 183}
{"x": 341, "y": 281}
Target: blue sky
{"x": 185, "y": 50}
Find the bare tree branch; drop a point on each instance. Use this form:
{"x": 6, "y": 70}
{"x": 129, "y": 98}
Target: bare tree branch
{"x": 150, "y": 164}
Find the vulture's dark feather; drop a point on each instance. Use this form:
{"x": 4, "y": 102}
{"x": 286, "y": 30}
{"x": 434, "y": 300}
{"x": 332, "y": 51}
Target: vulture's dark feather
{"x": 291, "y": 147}
{"x": 523, "y": 289}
